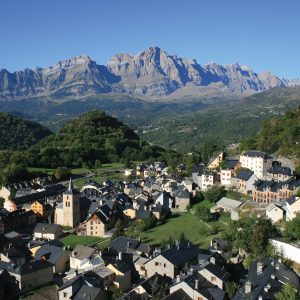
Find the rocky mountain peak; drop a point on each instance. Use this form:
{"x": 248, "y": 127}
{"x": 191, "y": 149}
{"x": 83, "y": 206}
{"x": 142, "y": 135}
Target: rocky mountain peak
{"x": 151, "y": 72}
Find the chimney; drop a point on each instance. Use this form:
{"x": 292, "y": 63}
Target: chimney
{"x": 267, "y": 288}
{"x": 128, "y": 245}
{"x": 259, "y": 267}
{"x": 178, "y": 246}
{"x": 178, "y": 279}
{"x": 213, "y": 260}
{"x": 260, "y": 297}
{"x": 273, "y": 276}
{"x": 248, "y": 287}
{"x": 120, "y": 256}
{"x": 196, "y": 284}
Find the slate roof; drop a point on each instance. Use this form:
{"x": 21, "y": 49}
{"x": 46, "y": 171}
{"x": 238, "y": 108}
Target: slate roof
{"x": 260, "y": 280}
{"x": 228, "y": 203}
{"x": 273, "y": 205}
{"x": 253, "y": 153}
{"x": 262, "y": 185}
{"x": 292, "y": 200}
{"x": 199, "y": 169}
{"x": 29, "y": 267}
{"x": 49, "y": 191}
{"x": 218, "y": 271}
{"x": 6, "y": 216}
{"x": 179, "y": 294}
{"x": 231, "y": 163}
{"x": 119, "y": 265}
{"x": 182, "y": 193}
{"x": 149, "y": 283}
{"x": 179, "y": 255}
{"x": 280, "y": 170}
{"x": 121, "y": 244}
{"x": 87, "y": 292}
{"x": 51, "y": 253}
{"x": 244, "y": 175}
{"x": 81, "y": 252}
{"x": 46, "y": 228}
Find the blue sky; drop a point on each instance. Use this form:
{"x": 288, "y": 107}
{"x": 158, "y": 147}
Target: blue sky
{"x": 264, "y": 34}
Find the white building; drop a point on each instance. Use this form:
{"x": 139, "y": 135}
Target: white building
{"x": 226, "y": 177}
{"x": 258, "y": 162}
{"x": 274, "y": 212}
{"x": 292, "y": 207}
{"x": 207, "y": 180}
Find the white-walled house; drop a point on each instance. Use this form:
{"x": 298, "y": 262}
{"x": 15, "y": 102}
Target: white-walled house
{"x": 275, "y": 212}
{"x": 292, "y": 207}
{"x": 257, "y": 161}
{"x": 225, "y": 177}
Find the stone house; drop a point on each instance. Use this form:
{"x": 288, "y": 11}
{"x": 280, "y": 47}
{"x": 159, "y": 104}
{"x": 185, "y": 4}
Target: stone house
{"x": 165, "y": 262}
{"x": 244, "y": 181}
{"x": 32, "y": 274}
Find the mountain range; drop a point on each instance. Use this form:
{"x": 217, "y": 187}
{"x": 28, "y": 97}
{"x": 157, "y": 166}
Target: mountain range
{"x": 151, "y": 73}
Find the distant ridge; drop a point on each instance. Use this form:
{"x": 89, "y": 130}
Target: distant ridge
{"x": 151, "y": 73}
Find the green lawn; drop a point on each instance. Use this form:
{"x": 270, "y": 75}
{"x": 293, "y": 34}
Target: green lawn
{"x": 72, "y": 240}
{"x": 187, "y": 223}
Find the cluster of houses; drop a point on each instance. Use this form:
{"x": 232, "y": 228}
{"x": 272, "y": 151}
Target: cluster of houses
{"x": 95, "y": 209}
{"x": 136, "y": 270}
{"x": 36, "y": 214}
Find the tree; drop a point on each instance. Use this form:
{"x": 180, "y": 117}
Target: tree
{"x": 215, "y": 193}
{"x": 61, "y": 173}
{"x": 231, "y": 288}
{"x": 292, "y": 228}
{"x": 203, "y": 213}
{"x": 98, "y": 164}
{"x": 288, "y": 292}
{"x": 117, "y": 293}
{"x": 252, "y": 235}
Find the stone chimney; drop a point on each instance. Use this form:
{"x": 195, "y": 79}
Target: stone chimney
{"x": 213, "y": 260}
{"x": 196, "y": 284}
{"x": 120, "y": 256}
{"x": 259, "y": 267}
{"x": 248, "y": 287}
{"x": 178, "y": 278}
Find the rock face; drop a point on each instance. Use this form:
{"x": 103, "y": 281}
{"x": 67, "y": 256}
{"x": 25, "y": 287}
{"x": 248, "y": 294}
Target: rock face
{"x": 150, "y": 73}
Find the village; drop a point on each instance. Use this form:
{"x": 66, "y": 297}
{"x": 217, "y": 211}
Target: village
{"x": 140, "y": 238}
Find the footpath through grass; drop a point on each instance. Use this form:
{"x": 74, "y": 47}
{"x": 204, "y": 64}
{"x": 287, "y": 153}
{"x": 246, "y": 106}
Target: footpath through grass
{"x": 73, "y": 240}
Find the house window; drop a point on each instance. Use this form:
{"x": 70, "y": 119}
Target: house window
{"x": 165, "y": 265}
{"x": 213, "y": 279}
{"x": 65, "y": 295}
{"x": 156, "y": 264}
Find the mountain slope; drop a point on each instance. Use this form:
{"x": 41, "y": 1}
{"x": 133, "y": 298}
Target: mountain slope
{"x": 151, "y": 73}
{"x": 90, "y": 138}
{"x": 18, "y": 134}
{"x": 280, "y": 134}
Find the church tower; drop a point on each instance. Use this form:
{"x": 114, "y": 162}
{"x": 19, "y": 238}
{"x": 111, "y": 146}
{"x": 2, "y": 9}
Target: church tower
{"x": 71, "y": 208}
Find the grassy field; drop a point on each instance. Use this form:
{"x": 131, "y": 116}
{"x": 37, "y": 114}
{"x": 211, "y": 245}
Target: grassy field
{"x": 72, "y": 240}
{"x": 194, "y": 229}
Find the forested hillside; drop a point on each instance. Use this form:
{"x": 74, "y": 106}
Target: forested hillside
{"x": 91, "y": 139}
{"x": 281, "y": 134}
{"x": 19, "y": 134}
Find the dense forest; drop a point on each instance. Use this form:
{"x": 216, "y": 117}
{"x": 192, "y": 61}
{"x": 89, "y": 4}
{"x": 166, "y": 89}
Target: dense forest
{"x": 89, "y": 140}
{"x": 281, "y": 134}
{"x": 19, "y": 134}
